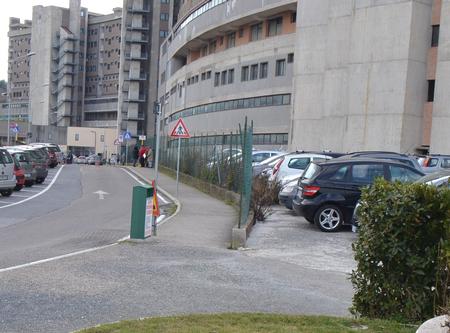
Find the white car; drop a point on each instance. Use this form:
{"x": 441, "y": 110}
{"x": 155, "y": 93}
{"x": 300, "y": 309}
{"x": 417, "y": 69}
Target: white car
{"x": 294, "y": 165}
{"x": 262, "y": 155}
{"x": 7, "y": 176}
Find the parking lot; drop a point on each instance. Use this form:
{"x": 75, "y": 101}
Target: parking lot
{"x": 28, "y": 193}
{"x": 289, "y": 238}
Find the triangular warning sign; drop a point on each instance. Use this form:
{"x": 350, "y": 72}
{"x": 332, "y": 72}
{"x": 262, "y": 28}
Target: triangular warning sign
{"x": 180, "y": 130}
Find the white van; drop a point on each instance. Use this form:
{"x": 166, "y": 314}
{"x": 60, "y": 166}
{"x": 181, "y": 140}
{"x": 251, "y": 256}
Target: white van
{"x": 7, "y": 177}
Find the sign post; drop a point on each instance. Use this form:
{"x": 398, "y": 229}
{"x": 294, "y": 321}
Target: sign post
{"x": 126, "y": 137}
{"x": 179, "y": 131}
{"x": 157, "y": 111}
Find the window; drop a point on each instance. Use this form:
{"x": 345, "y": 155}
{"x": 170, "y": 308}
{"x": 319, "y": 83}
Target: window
{"x": 212, "y": 47}
{"x": 164, "y": 17}
{"x": 290, "y": 58}
{"x": 254, "y": 72}
{"x": 204, "y": 51}
{"x": 299, "y": 163}
{"x": 230, "y": 76}
{"x": 208, "y": 75}
{"x": 163, "y": 33}
{"x": 275, "y": 26}
{"x": 224, "y": 78}
{"x": 402, "y": 174}
{"x": 280, "y": 69}
{"x": 164, "y": 1}
{"x": 432, "y": 162}
{"x": 77, "y": 137}
{"x": 244, "y": 73}
{"x": 339, "y": 174}
{"x": 216, "y": 79}
{"x": 263, "y": 69}
{"x": 203, "y": 76}
{"x": 431, "y": 84}
{"x": 366, "y": 173}
{"x": 294, "y": 17}
{"x": 231, "y": 40}
{"x": 256, "y": 32}
{"x": 102, "y": 138}
{"x": 241, "y": 32}
{"x": 435, "y": 36}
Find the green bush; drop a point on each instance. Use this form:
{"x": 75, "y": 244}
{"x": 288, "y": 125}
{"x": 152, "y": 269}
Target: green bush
{"x": 402, "y": 252}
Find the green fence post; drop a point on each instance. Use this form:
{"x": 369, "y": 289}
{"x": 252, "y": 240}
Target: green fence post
{"x": 141, "y": 211}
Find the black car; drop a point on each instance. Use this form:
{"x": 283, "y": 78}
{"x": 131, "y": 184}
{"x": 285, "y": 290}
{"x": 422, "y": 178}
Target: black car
{"x": 328, "y": 191}
{"x": 387, "y": 155}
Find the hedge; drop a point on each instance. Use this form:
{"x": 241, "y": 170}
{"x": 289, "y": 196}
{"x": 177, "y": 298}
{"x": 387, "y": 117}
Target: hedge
{"x": 402, "y": 252}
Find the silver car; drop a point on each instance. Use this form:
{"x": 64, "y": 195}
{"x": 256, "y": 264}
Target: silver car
{"x": 7, "y": 177}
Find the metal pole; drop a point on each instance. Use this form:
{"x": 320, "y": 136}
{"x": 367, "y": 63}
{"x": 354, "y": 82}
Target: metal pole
{"x": 178, "y": 163}
{"x": 158, "y": 127}
{"x": 126, "y": 152}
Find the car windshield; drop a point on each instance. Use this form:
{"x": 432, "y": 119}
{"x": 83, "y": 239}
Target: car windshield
{"x": 446, "y": 163}
{"x": 311, "y": 171}
{"x": 5, "y": 157}
{"x": 22, "y": 157}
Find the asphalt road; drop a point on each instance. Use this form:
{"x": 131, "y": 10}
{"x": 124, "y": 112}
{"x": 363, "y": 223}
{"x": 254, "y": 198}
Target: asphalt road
{"x": 171, "y": 274}
{"x": 68, "y": 217}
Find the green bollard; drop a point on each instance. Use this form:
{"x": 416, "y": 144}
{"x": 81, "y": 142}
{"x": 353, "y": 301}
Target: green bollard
{"x": 141, "y": 212}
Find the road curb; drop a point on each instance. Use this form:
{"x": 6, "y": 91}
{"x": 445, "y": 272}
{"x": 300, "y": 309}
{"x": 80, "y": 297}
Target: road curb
{"x": 167, "y": 194}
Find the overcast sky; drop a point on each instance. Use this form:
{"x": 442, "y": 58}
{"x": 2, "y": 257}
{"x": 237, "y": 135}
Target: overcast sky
{"x": 23, "y": 10}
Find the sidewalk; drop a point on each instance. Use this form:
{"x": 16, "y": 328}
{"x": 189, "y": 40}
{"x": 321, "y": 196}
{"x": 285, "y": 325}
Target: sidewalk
{"x": 202, "y": 221}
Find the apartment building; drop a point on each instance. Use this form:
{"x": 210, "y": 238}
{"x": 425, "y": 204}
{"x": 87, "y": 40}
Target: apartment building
{"x": 225, "y": 60}
{"x": 71, "y": 67}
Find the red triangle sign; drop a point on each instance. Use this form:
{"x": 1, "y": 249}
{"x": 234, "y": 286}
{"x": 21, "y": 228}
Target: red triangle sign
{"x": 180, "y": 130}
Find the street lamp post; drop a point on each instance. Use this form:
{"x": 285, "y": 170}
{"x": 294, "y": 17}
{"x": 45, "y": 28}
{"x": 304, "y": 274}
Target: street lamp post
{"x": 8, "y": 101}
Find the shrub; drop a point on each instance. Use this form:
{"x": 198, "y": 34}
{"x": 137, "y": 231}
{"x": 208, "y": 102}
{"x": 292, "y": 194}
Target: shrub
{"x": 402, "y": 252}
{"x": 264, "y": 195}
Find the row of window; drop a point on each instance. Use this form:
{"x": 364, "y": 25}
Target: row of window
{"x": 100, "y": 101}
{"x": 105, "y": 77}
{"x": 227, "y": 139}
{"x": 92, "y": 116}
{"x": 243, "y": 103}
{"x": 203, "y": 9}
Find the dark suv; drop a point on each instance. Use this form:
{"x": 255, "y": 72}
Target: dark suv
{"x": 328, "y": 191}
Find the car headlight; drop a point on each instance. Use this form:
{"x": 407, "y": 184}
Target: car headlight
{"x": 287, "y": 189}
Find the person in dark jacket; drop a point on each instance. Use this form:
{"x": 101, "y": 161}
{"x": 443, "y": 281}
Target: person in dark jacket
{"x": 142, "y": 155}
{"x": 135, "y": 155}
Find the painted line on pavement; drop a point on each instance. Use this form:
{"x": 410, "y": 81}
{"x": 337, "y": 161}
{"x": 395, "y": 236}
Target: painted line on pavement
{"x": 7, "y": 269}
{"x": 20, "y": 196}
{"x": 142, "y": 183}
{"x": 31, "y": 191}
{"x": 37, "y": 194}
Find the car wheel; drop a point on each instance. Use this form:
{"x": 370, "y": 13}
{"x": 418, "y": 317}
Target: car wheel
{"x": 7, "y": 193}
{"x": 328, "y": 218}
{"x": 309, "y": 220}
{"x": 18, "y": 187}
{"x": 39, "y": 181}
{"x": 29, "y": 183}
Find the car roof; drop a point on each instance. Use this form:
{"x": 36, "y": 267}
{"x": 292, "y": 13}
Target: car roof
{"x": 360, "y": 160}
{"x": 318, "y": 152}
{"x": 433, "y": 176}
{"x": 388, "y": 156}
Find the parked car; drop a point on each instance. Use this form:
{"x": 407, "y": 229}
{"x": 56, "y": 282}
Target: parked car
{"x": 24, "y": 159}
{"x": 94, "y": 159}
{"x": 262, "y": 155}
{"x": 49, "y": 153}
{"x": 287, "y": 193}
{"x": 38, "y": 160}
{"x": 438, "y": 179}
{"x": 7, "y": 177}
{"x": 81, "y": 160}
{"x": 435, "y": 163}
{"x": 19, "y": 172}
{"x": 327, "y": 192}
{"x": 263, "y": 167}
{"x": 294, "y": 164}
{"x": 54, "y": 149}
{"x": 387, "y": 155}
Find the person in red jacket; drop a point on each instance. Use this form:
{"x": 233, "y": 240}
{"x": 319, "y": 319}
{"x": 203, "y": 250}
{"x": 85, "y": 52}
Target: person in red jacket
{"x": 142, "y": 155}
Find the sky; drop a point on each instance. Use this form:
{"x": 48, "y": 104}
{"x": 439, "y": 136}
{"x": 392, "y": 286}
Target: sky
{"x": 23, "y": 10}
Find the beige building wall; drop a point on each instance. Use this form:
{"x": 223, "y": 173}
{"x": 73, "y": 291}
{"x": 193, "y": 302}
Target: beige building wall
{"x": 89, "y": 137}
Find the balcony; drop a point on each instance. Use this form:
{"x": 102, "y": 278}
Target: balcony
{"x": 142, "y": 27}
{"x": 140, "y": 77}
{"x": 135, "y": 10}
{"x": 142, "y": 40}
{"x": 142, "y": 56}
{"x": 139, "y": 117}
{"x": 137, "y": 99}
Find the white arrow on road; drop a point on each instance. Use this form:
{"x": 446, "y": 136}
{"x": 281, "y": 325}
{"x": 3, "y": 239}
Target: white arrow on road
{"x": 101, "y": 194}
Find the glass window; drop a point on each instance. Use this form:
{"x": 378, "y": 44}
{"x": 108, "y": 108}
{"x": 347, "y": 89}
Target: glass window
{"x": 446, "y": 163}
{"x": 280, "y": 69}
{"x": 286, "y": 99}
{"x": 402, "y": 174}
{"x": 275, "y": 26}
{"x": 256, "y": 32}
{"x": 216, "y": 79}
{"x": 230, "y": 76}
{"x": 254, "y": 72}
{"x": 77, "y": 137}
{"x": 277, "y": 100}
{"x": 263, "y": 69}
{"x": 258, "y": 157}
{"x": 5, "y": 157}
{"x": 432, "y": 162}
{"x": 231, "y": 40}
{"x": 224, "y": 78}
{"x": 366, "y": 173}
{"x": 269, "y": 101}
{"x": 339, "y": 174}
{"x": 212, "y": 47}
{"x": 299, "y": 163}
{"x": 244, "y": 73}
{"x": 290, "y": 58}
{"x": 263, "y": 101}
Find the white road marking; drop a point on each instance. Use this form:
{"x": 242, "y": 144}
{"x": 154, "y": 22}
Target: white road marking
{"x": 7, "y": 269}
{"x": 14, "y": 195}
{"x": 142, "y": 183}
{"x": 37, "y": 194}
{"x": 4, "y": 202}
{"x": 31, "y": 191}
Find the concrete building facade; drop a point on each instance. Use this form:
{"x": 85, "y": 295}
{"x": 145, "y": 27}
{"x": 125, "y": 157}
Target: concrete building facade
{"x": 86, "y": 69}
{"x": 365, "y": 75}
{"x": 224, "y": 60}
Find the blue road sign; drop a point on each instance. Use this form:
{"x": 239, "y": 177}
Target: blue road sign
{"x": 127, "y": 136}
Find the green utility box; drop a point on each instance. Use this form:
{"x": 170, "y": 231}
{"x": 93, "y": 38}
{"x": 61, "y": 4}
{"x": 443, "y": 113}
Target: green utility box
{"x": 141, "y": 212}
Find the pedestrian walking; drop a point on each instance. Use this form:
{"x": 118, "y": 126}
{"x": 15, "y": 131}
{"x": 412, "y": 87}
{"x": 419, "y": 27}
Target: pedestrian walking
{"x": 142, "y": 152}
{"x": 135, "y": 155}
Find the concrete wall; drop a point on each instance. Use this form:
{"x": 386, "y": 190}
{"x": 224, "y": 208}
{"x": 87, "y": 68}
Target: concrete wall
{"x": 91, "y": 136}
{"x": 360, "y": 74}
{"x": 440, "y": 141}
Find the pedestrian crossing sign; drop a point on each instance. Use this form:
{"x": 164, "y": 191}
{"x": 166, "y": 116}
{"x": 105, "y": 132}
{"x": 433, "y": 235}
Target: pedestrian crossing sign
{"x": 180, "y": 130}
